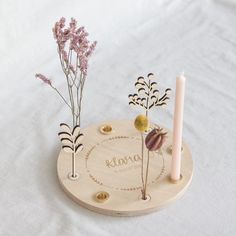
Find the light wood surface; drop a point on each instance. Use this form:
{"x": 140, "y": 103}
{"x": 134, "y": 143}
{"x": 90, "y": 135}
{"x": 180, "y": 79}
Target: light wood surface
{"x": 109, "y": 166}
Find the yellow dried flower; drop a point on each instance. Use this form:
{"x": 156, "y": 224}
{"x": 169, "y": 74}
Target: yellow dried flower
{"x": 141, "y": 123}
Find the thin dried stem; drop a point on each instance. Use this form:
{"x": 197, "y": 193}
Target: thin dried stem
{"x": 146, "y": 178}
{"x": 73, "y": 165}
{"x": 61, "y": 97}
{"x": 142, "y": 153}
{"x": 82, "y": 80}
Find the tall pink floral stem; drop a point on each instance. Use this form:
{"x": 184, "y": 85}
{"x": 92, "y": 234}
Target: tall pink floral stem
{"x": 74, "y": 51}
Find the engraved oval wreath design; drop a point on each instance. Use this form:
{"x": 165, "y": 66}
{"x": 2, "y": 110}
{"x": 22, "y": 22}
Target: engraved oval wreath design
{"x": 131, "y": 164}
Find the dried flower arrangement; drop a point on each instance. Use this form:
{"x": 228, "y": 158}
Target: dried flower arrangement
{"x": 148, "y": 97}
{"x": 74, "y": 50}
{"x": 153, "y": 141}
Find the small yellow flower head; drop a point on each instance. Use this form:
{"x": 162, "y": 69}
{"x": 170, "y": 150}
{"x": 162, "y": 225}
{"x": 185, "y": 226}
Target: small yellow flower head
{"x": 141, "y": 123}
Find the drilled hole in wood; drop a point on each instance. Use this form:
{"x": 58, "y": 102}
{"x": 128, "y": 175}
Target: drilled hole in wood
{"x": 106, "y": 129}
{"x": 148, "y": 198}
{"x": 102, "y": 196}
{"x": 73, "y": 177}
{"x": 176, "y": 181}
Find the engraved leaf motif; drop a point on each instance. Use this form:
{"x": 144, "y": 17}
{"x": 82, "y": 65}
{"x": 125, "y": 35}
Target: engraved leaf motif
{"x": 150, "y": 75}
{"x": 153, "y": 84}
{"x": 148, "y": 95}
{"x": 65, "y": 128}
{"x": 78, "y": 139}
{"x": 153, "y": 98}
{"x": 71, "y": 141}
{"x": 64, "y": 135}
{"x": 132, "y": 103}
{"x": 76, "y": 131}
{"x": 166, "y": 98}
{"x": 141, "y": 80}
{"x": 139, "y": 85}
{"x": 67, "y": 149}
{"x": 155, "y": 92}
{"x": 151, "y": 106}
{"x": 66, "y": 142}
{"x": 161, "y": 104}
{"x": 141, "y": 91}
{"x": 79, "y": 148}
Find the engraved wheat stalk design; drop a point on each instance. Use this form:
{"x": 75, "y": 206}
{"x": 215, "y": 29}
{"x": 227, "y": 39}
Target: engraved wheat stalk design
{"x": 71, "y": 142}
{"x": 148, "y": 96}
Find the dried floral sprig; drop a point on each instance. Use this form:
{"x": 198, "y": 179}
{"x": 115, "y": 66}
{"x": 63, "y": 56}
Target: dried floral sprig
{"x": 141, "y": 123}
{"x": 74, "y": 51}
{"x": 49, "y": 82}
{"x": 44, "y": 79}
{"x": 153, "y": 141}
{"x": 147, "y": 97}
{"x": 148, "y": 94}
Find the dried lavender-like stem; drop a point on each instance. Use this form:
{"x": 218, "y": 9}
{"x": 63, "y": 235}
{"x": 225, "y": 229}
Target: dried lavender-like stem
{"x": 79, "y": 99}
{"x": 74, "y": 51}
{"x": 68, "y": 86}
{"x": 81, "y": 95}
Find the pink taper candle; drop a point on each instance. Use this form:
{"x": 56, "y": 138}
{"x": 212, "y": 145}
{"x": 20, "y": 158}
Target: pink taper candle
{"x": 178, "y": 127}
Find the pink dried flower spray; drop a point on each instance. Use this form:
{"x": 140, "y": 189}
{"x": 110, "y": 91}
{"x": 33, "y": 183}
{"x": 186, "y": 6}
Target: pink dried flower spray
{"x": 74, "y": 51}
{"x": 44, "y": 79}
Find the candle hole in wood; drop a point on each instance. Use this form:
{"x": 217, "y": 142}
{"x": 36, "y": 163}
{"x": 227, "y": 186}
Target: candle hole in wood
{"x": 106, "y": 129}
{"x": 73, "y": 177}
{"x": 102, "y": 196}
{"x": 176, "y": 181}
{"x": 148, "y": 198}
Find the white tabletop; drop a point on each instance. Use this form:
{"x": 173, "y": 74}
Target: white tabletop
{"x": 134, "y": 38}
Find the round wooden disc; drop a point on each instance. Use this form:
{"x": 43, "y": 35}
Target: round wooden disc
{"x": 109, "y": 169}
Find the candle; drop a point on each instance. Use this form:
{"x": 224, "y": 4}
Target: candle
{"x": 178, "y": 127}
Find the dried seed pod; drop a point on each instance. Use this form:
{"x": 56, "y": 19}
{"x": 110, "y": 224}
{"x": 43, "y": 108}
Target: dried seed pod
{"x": 141, "y": 123}
{"x": 155, "y": 139}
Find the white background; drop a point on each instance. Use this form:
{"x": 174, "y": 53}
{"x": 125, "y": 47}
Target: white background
{"x": 134, "y": 38}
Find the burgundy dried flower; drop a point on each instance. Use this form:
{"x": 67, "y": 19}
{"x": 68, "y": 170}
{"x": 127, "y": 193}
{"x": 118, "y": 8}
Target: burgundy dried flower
{"x": 44, "y": 79}
{"x": 155, "y": 139}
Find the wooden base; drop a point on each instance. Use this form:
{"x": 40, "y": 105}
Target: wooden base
{"x": 109, "y": 171}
